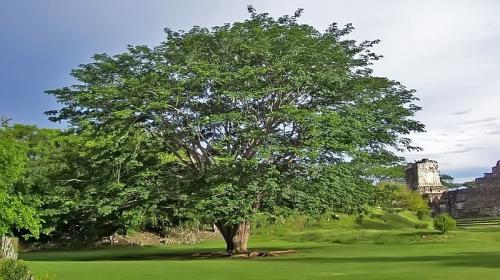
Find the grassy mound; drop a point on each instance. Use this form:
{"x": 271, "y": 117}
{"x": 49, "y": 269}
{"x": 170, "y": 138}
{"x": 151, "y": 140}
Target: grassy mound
{"x": 376, "y": 219}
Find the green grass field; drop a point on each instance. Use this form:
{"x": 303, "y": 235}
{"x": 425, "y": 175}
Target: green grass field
{"x": 321, "y": 254}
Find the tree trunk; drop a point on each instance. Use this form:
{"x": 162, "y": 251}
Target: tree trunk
{"x": 8, "y": 248}
{"x": 235, "y": 236}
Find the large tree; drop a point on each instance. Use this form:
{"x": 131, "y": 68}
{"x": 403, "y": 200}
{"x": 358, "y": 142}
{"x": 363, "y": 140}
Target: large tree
{"x": 249, "y": 117}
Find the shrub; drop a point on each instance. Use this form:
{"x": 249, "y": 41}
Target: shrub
{"x": 395, "y": 197}
{"x": 335, "y": 217}
{"x": 298, "y": 222}
{"x": 359, "y": 219}
{"x": 14, "y": 270}
{"x": 444, "y": 223}
{"x": 421, "y": 225}
{"x": 422, "y": 213}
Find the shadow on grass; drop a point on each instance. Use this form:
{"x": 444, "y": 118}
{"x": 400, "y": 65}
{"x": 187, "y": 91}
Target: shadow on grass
{"x": 136, "y": 254}
{"x": 465, "y": 259}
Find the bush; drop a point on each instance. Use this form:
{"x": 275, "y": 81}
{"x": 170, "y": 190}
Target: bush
{"x": 395, "y": 197}
{"x": 14, "y": 270}
{"x": 422, "y": 226}
{"x": 444, "y": 223}
{"x": 422, "y": 213}
{"x": 359, "y": 219}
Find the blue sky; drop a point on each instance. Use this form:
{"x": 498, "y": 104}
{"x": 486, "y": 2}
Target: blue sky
{"x": 447, "y": 50}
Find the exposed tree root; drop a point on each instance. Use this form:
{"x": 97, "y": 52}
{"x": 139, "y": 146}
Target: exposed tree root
{"x": 252, "y": 254}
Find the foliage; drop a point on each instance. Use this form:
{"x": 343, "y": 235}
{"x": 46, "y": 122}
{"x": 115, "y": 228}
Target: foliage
{"x": 421, "y": 225}
{"x": 14, "y": 212}
{"x": 422, "y": 213}
{"x": 448, "y": 181}
{"x": 48, "y": 169}
{"x": 260, "y": 116}
{"x": 338, "y": 188}
{"x": 295, "y": 222}
{"x": 469, "y": 184}
{"x": 12, "y": 160}
{"x": 85, "y": 197}
{"x": 14, "y": 270}
{"x": 391, "y": 173}
{"x": 444, "y": 223}
{"x": 395, "y": 196}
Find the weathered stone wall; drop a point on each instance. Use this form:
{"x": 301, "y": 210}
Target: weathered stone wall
{"x": 473, "y": 202}
{"x": 490, "y": 179}
{"x": 482, "y": 200}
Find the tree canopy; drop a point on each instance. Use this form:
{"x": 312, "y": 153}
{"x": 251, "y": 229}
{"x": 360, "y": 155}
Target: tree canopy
{"x": 255, "y": 116}
{"x": 448, "y": 181}
{"x": 14, "y": 212}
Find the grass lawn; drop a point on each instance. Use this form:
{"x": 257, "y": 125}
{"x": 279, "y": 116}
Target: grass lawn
{"x": 321, "y": 254}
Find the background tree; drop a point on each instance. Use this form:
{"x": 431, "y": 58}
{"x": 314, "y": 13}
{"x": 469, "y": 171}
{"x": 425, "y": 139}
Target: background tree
{"x": 14, "y": 213}
{"x": 242, "y": 114}
{"x": 84, "y": 197}
{"x": 392, "y": 197}
{"x": 469, "y": 184}
{"x": 448, "y": 181}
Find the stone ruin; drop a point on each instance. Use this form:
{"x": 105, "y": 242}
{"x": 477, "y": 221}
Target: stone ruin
{"x": 481, "y": 200}
{"x": 491, "y": 179}
{"x": 423, "y": 177}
